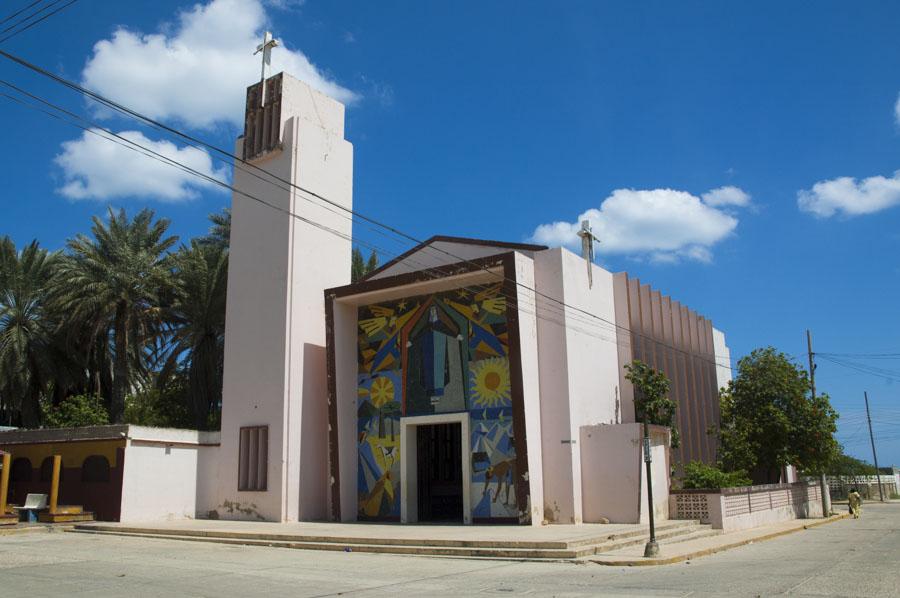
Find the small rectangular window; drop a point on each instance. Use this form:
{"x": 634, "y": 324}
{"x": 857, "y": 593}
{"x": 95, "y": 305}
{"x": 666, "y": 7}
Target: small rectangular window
{"x": 253, "y": 458}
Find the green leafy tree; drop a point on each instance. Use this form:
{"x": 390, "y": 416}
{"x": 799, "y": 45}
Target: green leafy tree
{"x": 652, "y": 404}
{"x": 76, "y": 411}
{"x": 845, "y": 465}
{"x": 360, "y": 267}
{"x": 26, "y": 330}
{"x": 768, "y": 419}
{"x": 161, "y": 407}
{"x": 195, "y": 326}
{"x": 699, "y": 475}
{"x": 111, "y": 285}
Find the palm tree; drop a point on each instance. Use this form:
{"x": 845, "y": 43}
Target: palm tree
{"x": 195, "y": 339}
{"x": 112, "y": 286}
{"x": 25, "y": 328}
{"x": 220, "y": 231}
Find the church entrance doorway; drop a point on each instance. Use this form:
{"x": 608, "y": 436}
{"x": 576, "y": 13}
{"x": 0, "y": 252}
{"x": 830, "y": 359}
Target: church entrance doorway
{"x": 436, "y": 468}
{"x": 439, "y": 472}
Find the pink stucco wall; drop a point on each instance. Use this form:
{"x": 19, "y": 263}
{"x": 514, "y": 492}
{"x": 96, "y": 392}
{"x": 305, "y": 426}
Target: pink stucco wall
{"x": 578, "y": 371}
{"x": 614, "y": 476}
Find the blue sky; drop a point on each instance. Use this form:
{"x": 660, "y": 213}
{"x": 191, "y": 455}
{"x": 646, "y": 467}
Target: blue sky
{"x": 705, "y": 141}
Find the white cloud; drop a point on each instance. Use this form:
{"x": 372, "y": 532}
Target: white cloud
{"x": 848, "y": 197}
{"x": 285, "y": 4}
{"x": 96, "y": 168}
{"x": 897, "y": 109}
{"x": 726, "y": 196}
{"x": 198, "y": 69}
{"x": 664, "y": 225}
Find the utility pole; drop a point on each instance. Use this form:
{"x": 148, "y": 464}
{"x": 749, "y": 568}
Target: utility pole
{"x": 874, "y": 454}
{"x": 652, "y": 548}
{"x": 823, "y": 483}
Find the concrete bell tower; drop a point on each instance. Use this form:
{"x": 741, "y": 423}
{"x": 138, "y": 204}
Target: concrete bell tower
{"x": 273, "y": 459}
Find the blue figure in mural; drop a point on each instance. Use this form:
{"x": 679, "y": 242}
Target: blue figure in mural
{"x": 435, "y": 375}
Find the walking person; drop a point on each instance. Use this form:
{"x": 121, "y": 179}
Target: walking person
{"x": 855, "y": 503}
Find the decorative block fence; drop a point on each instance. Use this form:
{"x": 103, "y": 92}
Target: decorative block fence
{"x": 731, "y": 509}
{"x": 867, "y": 485}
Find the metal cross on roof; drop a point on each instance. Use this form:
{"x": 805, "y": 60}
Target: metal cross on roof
{"x": 266, "y": 48}
{"x": 587, "y": 248}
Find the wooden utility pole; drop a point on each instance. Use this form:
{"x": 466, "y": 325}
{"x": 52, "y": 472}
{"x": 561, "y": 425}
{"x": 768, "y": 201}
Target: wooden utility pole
{"x": 823, "y": 482}
{"x": 874, "y": 454}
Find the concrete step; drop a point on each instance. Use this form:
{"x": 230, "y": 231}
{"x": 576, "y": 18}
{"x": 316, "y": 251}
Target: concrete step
{"x": 663, "y": 536}
{"x": 46, "y": 517}
{"x": 666, "y": 527}
{"x": 423, "y": 550}
{"x": 429, "y": 547}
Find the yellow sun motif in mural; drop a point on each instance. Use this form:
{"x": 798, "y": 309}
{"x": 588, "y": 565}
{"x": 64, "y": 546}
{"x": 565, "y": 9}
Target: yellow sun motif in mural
{"x": 491, "y": 383}
{"x": 382, "y": 391}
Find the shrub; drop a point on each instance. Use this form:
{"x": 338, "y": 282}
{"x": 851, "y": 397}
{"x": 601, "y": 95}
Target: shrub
{"x": 158, "y": 409}
{"x": 698, "y": 475}
{"x": 76, "y": 411}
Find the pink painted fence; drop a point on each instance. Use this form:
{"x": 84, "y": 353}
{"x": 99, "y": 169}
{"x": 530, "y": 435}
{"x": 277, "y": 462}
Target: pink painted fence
{"x": 732, "y": 509}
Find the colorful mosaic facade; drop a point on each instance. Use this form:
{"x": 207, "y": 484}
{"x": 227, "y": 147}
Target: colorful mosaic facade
{"x": 441, "y": 353}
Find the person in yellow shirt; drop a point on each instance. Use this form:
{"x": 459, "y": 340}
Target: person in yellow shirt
{"x": 855, "y": 503}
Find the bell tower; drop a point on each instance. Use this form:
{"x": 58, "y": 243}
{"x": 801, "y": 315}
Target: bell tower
{"x": 273, "y": 459}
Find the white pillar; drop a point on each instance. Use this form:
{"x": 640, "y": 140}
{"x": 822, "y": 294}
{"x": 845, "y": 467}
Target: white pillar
{"x": 275, "y": 323}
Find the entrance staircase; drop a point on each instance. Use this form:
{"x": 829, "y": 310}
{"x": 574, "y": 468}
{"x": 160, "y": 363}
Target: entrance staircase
{"x": 667, "y": 532}
{"x": 65, "y": 514}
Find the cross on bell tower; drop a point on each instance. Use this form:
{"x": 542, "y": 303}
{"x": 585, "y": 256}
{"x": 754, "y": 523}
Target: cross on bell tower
{"x": 266, "y": 48}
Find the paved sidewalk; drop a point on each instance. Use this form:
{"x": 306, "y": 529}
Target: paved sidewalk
{"x": 847, "y": 558}
{"x": 677, "y": 552}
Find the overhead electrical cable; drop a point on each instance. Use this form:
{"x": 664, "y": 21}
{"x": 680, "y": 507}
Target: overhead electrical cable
{"x": 20, "y": 11}
{"x": 33, "y": 23}
{"x": 194, "y": 141}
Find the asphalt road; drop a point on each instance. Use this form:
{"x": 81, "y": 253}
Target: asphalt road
{"x": 847, "y": 558}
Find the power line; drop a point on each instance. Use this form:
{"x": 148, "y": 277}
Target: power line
{"x": 886, "y": 374}
{"x": 134, "y": 146}
{"x": 20, "y": 11}
{"x": 33, "y": 23}
{"x": 195, "y": 142}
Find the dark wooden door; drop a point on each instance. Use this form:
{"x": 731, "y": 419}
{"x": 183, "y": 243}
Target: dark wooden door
{"x": 439, "y": 468}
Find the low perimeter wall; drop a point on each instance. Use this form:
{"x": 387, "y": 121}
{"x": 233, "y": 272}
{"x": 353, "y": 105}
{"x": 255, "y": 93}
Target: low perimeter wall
{"x": 731, "y": 509}
{"x": 866, "y": 485}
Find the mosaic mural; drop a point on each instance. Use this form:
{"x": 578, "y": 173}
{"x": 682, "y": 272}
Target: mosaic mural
{"x": 441, "y": 353}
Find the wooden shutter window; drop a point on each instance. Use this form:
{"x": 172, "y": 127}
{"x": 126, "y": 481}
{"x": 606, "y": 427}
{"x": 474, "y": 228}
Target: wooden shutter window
{"x": 253, "y": 458}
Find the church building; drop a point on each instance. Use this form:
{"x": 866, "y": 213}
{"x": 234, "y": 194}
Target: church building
{"x": 465, "y": 380}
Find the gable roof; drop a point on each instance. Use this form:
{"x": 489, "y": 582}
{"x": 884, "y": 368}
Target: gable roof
{"x": 452, "y": 240}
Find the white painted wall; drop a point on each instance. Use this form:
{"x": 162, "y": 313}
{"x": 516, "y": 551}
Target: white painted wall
{"x": 723, "y": 358}
{"x": 275, "y": 323}
{"x": 442, "y": 253}
{"x": 530, "y": 359}
{"x": 346, "y": 368}
{"x": 167, "y": 473}
{"x": 579, "y": 375}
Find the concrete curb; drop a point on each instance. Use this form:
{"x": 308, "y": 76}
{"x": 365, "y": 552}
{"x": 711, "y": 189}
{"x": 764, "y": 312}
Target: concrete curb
{"x": 32, "y": 529}
{"x": 644, "y": 562}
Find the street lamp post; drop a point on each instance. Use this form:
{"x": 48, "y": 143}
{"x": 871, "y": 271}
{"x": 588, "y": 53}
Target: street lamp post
{"x": 652, "y": 548}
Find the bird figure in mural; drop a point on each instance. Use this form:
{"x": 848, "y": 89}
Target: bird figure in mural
{"x": 385, "y": 317}
{"x": 491, "y": 301}
{"x": 388, "y": 453}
